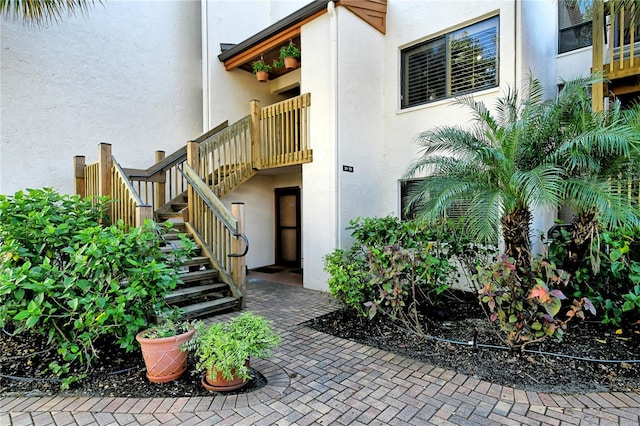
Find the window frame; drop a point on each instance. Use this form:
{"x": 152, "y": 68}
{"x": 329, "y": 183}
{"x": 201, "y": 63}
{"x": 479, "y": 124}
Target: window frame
{"x": 481, "y": 25}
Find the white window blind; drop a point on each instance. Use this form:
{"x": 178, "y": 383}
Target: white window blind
{"x": 459, "y": 62}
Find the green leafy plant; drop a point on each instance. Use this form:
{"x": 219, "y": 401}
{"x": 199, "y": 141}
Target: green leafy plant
{"x": 406, "y": 279}
{"x": 226, "y": 346}
{"x": 528, "y": 312}
{"x": 349, "y": 279}
{"x": 609, "y": 272}
{"x": 389, "y": 253}
{"x": 288, "y": 51}
{"x": 67, "y": 278}
{"x": 259, "y": 65}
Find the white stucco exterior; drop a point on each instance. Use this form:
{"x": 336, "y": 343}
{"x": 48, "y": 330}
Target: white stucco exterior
{"x": 146, "y": 78}
{"x": 126, "y": 74}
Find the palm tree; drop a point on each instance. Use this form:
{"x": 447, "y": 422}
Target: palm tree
{"x": 501, "y": 166}
{"x": 42, "y": 11}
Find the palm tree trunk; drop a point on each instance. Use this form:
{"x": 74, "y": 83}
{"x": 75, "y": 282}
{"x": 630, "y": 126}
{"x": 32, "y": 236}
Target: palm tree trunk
{"x": 584, "y": 227}
{"x": 515, "y": 230}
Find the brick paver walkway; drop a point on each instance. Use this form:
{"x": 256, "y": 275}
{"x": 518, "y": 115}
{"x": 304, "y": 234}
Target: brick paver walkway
{"x": 315, "y": 378}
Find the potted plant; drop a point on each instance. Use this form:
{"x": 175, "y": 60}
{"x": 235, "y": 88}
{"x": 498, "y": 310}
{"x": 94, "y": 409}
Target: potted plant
{"x": 223, "y": 349}
{"x": 261, "y": 70}
{"x": 289, "y": 56}
{"x": 162, "y": 349}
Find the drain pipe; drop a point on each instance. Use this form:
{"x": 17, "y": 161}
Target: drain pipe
{"x": 206, "y": 68}
{"x": 333, "y": 102}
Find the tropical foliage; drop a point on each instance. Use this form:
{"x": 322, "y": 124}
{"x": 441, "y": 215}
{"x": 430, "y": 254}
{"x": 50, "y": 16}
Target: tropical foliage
{"x": 530, "y": 153}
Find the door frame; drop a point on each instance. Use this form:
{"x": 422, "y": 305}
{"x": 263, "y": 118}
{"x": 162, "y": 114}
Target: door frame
{"x": 279, "y": 192}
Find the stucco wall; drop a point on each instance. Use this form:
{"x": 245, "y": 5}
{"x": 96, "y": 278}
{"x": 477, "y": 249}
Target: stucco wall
{"x": 405, "y": 28}
{"x": 319, "y": 191}
{"x": 361, "y": 120}
{"x": 127, "y": 74}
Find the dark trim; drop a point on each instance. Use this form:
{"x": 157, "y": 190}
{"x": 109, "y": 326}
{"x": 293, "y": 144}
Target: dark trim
{"x": 297, "y": 16}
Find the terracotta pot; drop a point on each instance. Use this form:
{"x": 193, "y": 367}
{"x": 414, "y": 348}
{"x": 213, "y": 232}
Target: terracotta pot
{"x": 214, "y": 381}
{"x": 163, "y": 358}
{"x": 262, "y": 76}
{"x": 290, "y": 63}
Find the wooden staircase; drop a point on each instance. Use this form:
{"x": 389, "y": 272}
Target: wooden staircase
{"x": 201, "y": 293}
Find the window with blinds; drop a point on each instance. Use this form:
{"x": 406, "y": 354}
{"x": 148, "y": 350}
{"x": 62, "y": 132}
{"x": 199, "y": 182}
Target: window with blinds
{"x": 574, "y": 24}
{"x": 462, "y": 61}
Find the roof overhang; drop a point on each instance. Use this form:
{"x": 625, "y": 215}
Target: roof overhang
{"x": 266, "y": 44}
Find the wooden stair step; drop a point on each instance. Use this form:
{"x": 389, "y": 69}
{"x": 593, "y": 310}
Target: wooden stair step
{"x": 209, "y": 307}
{"x": 166, "y": 216}
{"x": 178, "y": 207}
{"x": 174, "y": 237}
{"x": 171, "y": 245}
{"x": 195, "y": 292}
{"x": 205, "y": 275}
{"x": 196, "y": 260}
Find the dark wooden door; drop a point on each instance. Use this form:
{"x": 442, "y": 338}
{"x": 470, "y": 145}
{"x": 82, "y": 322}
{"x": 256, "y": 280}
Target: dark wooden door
{"x": 288, "y": 234}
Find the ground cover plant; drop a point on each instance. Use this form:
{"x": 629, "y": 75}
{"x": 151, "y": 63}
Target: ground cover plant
{"x": 72, "y": 280}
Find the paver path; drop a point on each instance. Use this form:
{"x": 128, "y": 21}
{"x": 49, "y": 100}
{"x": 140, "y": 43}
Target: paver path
{"x": 315, "y": 378}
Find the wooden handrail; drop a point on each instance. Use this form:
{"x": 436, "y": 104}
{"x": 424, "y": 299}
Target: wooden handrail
{"x": 127, "y": 205}
{"x": 213, "y": 226}
{"x": 162, "y": 166}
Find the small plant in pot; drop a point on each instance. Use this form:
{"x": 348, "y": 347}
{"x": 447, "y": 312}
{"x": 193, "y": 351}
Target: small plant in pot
{"x": 261, "y": 70}
{"x": 289, "y": 57}
{"x": 162, "y": 349}
{"x": 223, "y": 349}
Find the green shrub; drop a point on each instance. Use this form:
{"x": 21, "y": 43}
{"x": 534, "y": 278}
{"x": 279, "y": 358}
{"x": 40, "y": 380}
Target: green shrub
{"x": 608, "y": 276}
{"x": 73, "y": 281}
{"x": 394, "y": 267}
{"x": 349, "y": 279}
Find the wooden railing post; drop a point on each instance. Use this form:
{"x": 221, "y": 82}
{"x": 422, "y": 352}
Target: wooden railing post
{"x": 160, "y": 185}
{"x": 105, "y": 162}
{"x": 143, "y": 213}
{"x": 239, "y": 263}
{"x": 78, "y": 171}
{"x": 597, "y": 58}
{"x": 194, "y": 161}
{"x": 256, "y": 161}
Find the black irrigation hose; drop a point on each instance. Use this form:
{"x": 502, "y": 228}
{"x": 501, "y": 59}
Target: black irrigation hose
{"x": 474, "y": 344}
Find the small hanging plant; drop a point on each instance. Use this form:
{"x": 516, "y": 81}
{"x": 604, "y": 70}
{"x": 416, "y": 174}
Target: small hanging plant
{"x": 261, "y": 70}
{"x": 289, "y": 56}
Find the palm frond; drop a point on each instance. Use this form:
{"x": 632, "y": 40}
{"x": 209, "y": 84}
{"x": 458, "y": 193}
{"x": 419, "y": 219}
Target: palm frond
{"x": 43, "y": 11}
{"x": 542, "y": 186}
{"x": 614, "y": 209}
{"x": 484, "y": 214}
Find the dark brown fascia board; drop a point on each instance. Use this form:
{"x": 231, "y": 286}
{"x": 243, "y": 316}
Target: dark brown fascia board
{"x": 286, "y": 22}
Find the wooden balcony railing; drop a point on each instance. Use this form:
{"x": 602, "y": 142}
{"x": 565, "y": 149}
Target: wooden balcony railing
{"x": 616, "y": 46}
{"x": 224, "y": 157}
{"x": 623, "y": 53}
{"x": 283, "y": 133}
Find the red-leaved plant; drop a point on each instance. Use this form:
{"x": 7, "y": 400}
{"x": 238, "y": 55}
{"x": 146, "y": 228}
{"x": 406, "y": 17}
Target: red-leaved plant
{"x": 528, "y": 306}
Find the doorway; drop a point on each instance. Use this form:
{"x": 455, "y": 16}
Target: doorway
{"x": 288, "y": 229}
